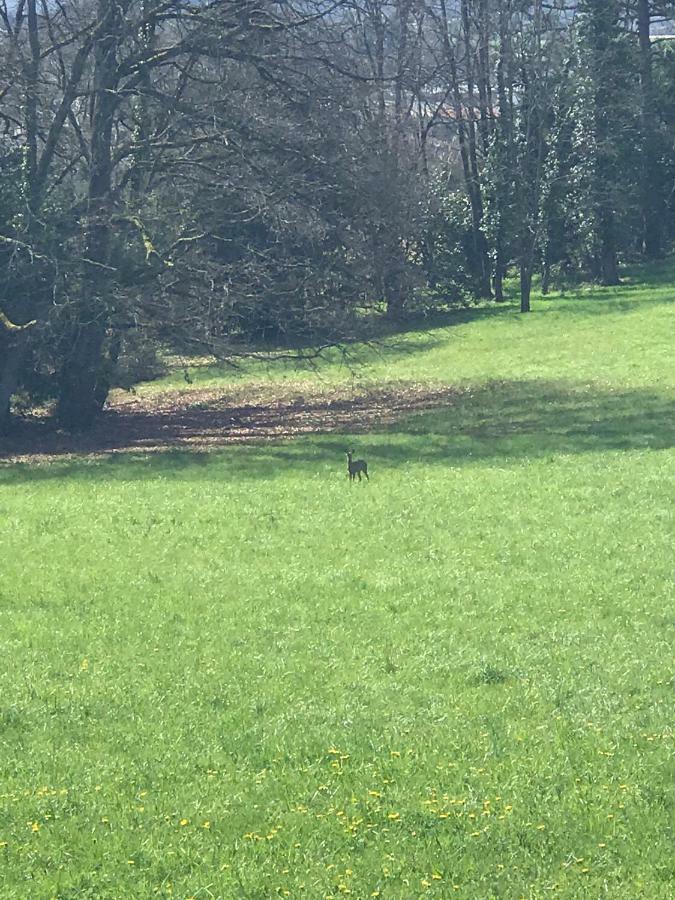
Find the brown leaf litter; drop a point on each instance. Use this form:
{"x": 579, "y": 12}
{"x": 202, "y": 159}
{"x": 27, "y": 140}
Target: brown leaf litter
{"x": 205, "y": 419}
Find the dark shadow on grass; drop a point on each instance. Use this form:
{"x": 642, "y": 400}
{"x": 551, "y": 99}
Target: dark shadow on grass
{"x": 600, "y": 301}
{"x": 635, "y": 279}
{"x": 445, "y": 319}
{"x": 499, "y": 423}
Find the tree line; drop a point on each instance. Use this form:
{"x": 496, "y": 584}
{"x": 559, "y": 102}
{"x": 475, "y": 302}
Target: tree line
{"x": 211, "y": 177}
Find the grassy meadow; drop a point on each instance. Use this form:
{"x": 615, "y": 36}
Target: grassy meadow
{"x": 232, "y": 675}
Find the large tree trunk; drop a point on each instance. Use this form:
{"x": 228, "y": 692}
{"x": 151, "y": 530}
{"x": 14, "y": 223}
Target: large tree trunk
{"x": 504, "y": 151}
{"x": 525, "y": 287}
{"x": 83, "y": 383}
{"x": 484, "y": 287}
{"x": 609, "y": 265}
{"x": 546, "y": 276}
{"x": 12, "y": 353}
{"x": 498, "y": 284}
{"x": 394, "y": 281}
{"x": 531, "y": 163}
{"x": 484, "y": 82}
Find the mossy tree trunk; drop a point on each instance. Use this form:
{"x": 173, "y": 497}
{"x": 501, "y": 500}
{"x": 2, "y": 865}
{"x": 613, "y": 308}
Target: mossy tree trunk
{"x": 83, "y": 380}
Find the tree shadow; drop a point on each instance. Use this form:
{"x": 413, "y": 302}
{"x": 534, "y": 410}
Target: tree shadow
{"x": 599, "y": 301}
{"x": 445, "y": 319}
{"x": 501, "y": 422}
{"x": 641, "y": 285}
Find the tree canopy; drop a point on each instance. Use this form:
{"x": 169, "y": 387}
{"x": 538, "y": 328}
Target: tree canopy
{"x": 219, "y": 176}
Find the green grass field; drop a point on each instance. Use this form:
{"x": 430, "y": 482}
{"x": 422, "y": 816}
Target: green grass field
{"x": 232, "y": 675}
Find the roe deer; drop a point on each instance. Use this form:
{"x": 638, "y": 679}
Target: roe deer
{"x": 356, "y": 466}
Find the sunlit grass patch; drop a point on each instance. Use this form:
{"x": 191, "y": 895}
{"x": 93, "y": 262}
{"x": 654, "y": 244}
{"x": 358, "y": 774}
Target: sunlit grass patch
{"x": 234, "y": 674}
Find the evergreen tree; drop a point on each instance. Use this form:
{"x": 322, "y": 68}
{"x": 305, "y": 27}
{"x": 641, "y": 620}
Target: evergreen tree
{"x": 606, "y": 143}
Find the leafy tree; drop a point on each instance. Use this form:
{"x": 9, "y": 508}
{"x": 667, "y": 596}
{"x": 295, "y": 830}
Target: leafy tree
{"x": 216, "y": 177}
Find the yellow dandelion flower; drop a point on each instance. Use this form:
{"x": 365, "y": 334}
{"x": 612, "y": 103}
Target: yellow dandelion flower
{"x": 206, "y": 824}
{"x": 4, "y": 843}
{"x": 602, "y": 845}
{"x": 475, "y": 834}
{"x": 425, "y": 883}
{"x": 184, "y": 822}
{"x": 105, "y": 820}
{"x": 35, "y": 827}
{"x": 131, "y": 862}
{"x": 394, "y": 816}
{"x": 437, "y": 876}
{"x": 84, "y": 665}
{"x": 541, "y": 827}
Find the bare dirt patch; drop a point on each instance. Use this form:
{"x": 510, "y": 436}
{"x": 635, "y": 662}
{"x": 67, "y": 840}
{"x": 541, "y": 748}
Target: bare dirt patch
{"x": 203, "y": 419}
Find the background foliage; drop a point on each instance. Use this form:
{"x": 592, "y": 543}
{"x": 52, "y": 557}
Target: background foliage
{"x": 213, "y": 177}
